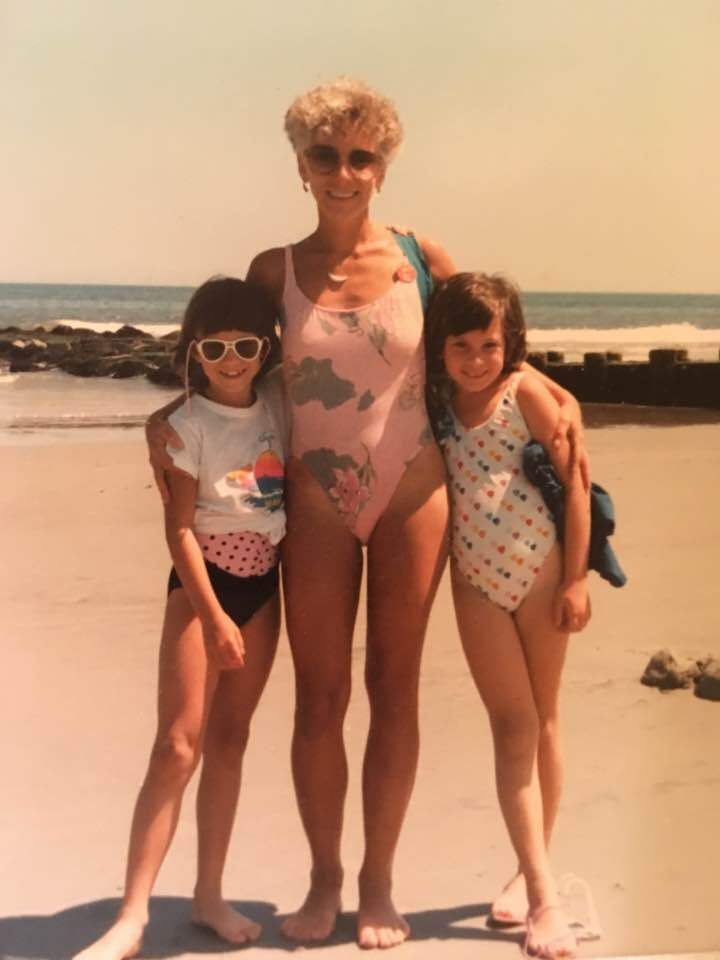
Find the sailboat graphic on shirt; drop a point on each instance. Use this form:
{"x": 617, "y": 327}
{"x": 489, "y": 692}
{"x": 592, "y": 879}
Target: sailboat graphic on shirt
{"x": 263, "y": 481}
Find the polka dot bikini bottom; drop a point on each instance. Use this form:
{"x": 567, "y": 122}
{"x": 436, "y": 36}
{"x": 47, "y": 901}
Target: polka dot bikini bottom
{"x": 244, "y": 554}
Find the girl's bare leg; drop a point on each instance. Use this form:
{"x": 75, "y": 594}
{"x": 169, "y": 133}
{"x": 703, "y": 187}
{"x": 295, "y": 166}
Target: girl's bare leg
{"x": 322, "y": 568}
{"x": 545, "y": 657}
{"x": 236, "y": 697}
{"x": 545, "y": 649}
{"x": 406, "y": 556}
{"x": 497, "y": 663}
{"x": 185, "y": 689}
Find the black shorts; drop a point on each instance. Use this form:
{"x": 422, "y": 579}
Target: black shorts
{"x": 240, "y": 597}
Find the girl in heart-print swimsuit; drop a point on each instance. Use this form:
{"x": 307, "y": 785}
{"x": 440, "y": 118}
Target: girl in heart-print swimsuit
{"x": 517, "y": 594}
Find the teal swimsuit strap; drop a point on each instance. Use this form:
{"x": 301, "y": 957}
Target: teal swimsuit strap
{"x": 413, "y": 251}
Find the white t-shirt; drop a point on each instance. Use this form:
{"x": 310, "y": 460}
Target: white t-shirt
{"x": 237, "y": 456}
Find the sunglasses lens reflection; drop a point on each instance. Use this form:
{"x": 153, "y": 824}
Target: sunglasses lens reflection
{"x": 361, "y": 159}
{"x": 323, "y": 158}
{"x": 326, "y": 159}
{"x": 248, "y": 348}
{"x": 212, "y": 350}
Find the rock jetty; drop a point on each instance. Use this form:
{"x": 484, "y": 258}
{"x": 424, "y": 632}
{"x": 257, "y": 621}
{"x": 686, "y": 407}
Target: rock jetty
{"x": 667, "y": 378}
{"x": 127, "y": 352}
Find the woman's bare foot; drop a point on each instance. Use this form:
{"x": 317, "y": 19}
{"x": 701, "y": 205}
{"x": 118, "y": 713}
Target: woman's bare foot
{"x": 379, "y": 925}
{"x": 548, "y": 934}
{"x": 510, "y": 907}
{"x": 316, "y": 918}
{"x": 226, "y": 922}
{"x": 122, "y": 940}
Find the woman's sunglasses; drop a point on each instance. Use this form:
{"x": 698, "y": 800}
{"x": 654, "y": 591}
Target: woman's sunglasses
{"x": 247, "y": 348}
{"x": 326, "y": 159}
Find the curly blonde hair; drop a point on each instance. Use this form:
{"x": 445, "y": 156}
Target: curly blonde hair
{"x": 339, "y": 104}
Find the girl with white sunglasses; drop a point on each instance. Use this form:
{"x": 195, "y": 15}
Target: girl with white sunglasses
{"x": 223, "y": 524}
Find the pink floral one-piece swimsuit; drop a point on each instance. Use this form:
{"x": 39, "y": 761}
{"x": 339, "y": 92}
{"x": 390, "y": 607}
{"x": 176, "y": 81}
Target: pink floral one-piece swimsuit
{"x": 355, "y": 383}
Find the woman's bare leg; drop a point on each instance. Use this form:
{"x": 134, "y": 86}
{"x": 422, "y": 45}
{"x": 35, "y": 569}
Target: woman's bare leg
{"x": 185, "y": 689}
{"x": 236, "y": 697}
{"x": 406, "y": 556}
{"x": 322, "y": 568}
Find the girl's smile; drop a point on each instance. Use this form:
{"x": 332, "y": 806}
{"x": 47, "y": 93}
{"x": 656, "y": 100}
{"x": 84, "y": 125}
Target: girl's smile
{"x": 231, "y": 377}
{"x": 474, "y": 359}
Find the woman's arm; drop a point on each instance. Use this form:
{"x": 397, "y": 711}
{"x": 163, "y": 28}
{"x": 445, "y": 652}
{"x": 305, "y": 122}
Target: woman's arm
{"x": 569, "y": 426}
{"x": 223, "y": 639}
{"x": 267, "y": 270}
{"x": 438, "y": 259}
{"x": 159, "y": 435}
{"x": 572, "y": 605}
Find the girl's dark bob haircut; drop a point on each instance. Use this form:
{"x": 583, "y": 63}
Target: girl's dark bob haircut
{"x": 471, "y": 301}
{"x": 226, "y": 303}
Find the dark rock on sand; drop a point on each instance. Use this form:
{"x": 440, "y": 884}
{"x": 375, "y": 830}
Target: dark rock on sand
{"x": 23, "y": 350}
{"x": 164, "y": 376}
{"x": 22, "y": 365}
{"x": 707, "y": 685}
{"x": 87, "y": 367}
{"x": 123, "y": 369}
{"x": 126, "y": 332}
{"x": 63, "y": 330}
{"x": 663, "y": 671}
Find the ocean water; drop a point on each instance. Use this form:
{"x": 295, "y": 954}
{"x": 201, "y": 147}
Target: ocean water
{"x": 53, "y": 402}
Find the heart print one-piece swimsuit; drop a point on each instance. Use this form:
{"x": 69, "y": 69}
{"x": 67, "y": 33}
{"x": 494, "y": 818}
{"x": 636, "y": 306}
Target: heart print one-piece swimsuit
{"x": 355, "y": 383}
{"x": 501, "y": 530}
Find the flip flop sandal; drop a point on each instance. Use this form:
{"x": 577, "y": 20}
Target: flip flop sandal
{"x": 587, "y": 928}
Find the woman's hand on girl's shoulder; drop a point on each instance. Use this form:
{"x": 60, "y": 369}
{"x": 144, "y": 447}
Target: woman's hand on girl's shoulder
{"x": 224, "y": 643}
{"x": 267, "y": 270}
{"x": 571, "y": 606}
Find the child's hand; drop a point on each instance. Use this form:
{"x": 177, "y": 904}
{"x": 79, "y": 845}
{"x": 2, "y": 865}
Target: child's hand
{"x": 224, "y": 643}
{"x": 571, "y": 606}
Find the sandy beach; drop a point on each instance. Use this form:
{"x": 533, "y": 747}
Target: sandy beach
{"x": 82, "y": 595}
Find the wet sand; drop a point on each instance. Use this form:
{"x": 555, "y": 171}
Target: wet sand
{"x": 82, "y": 594}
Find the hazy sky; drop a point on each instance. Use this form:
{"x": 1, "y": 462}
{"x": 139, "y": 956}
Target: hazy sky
{"x": 573, "y": 144}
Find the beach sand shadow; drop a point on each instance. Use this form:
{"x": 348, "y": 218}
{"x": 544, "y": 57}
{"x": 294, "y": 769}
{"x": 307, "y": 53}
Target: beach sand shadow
{"x": 170, "y": 932}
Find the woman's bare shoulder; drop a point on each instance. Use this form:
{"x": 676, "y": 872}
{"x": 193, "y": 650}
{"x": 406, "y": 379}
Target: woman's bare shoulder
{"x": 438, "y": 259}
{"x": 267, "y": 269}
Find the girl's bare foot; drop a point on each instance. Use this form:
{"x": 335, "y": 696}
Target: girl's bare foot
{"x": 548, "y": 934}
{"x": 510, "y": 907}
{"x": 226, "y": 922}
{"x": 379, "y": 925}
{"x": 122, "y": 940}
{"x": 316, "y": 918}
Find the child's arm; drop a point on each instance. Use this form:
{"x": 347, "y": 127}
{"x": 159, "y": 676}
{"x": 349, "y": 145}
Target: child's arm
{"x": 223, "y": 640}
{"x": 572, "y": 604}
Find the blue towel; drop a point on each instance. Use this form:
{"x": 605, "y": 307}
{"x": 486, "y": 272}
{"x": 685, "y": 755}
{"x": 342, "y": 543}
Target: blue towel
{"x": 541, "y": 473}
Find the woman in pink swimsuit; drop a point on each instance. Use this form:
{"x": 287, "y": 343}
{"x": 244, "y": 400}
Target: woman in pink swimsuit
{"x": 364, "y": 470}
